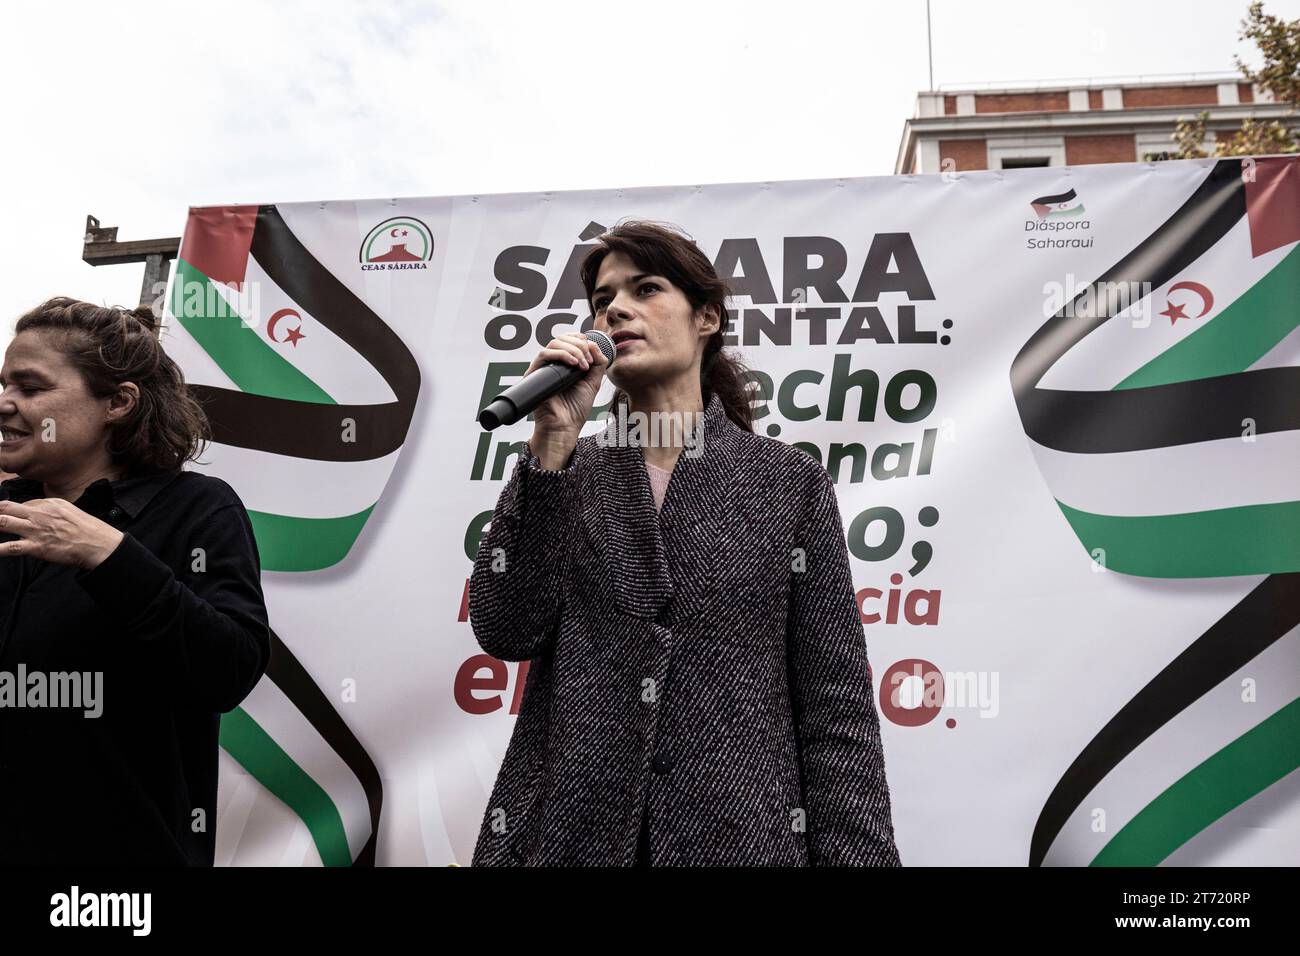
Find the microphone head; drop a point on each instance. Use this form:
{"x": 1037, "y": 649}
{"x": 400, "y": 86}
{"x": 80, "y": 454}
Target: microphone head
{"x": 605, "y": 344}
{"x": 500, "y": 412}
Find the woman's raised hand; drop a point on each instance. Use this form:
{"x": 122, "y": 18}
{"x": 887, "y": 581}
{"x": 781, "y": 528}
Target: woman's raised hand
{"x": 558, "y": 421}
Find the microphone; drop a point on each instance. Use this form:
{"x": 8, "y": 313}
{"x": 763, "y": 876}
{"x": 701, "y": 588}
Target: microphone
{"x": 539, "y": 385}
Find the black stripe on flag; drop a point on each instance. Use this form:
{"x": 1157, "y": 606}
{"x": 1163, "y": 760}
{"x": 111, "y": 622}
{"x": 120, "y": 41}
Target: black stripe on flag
{"x": 296, "y": 684}
{"x": 1258, "y": 620}
{"x": 307, "y": 429}
{"x": 1173, "y": 414}
{"x": 1053, "y": 200}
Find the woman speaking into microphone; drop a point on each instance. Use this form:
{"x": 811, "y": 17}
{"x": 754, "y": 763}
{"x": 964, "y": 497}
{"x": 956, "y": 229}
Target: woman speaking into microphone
{"x": 698, "y": 692}
{"x": 131, "y": 611}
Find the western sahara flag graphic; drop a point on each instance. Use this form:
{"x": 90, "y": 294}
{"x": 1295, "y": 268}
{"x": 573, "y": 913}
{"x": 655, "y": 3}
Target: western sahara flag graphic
{"x": 1179, "y": 459}
{"x": 1062, "y": 204}
{"x": 309, "y": 438}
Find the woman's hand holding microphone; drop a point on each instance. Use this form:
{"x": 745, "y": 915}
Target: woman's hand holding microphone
{"x": 558, "y": 421}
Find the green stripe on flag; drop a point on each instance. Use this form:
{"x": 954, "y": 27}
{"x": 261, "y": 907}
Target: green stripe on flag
{"x": 1251, "y": 539}
{"x": 1249, "y": 765}
{"x": 1237, "y": 338}
{"x": 305, "y": 544}
{"x": 261, "y": 756}
{"x": 239, "y": 350}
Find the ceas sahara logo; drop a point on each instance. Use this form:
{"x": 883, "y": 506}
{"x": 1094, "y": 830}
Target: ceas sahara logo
{"x": 402, "y": 242}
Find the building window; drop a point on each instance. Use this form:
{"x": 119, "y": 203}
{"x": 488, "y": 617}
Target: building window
{"x": 1025, "y": 162}
{"x": 1026, "y": 152}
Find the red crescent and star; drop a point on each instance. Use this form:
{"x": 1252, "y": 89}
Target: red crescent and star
{"x": 292, "y": 335}
{"x": 1175, "y": 312}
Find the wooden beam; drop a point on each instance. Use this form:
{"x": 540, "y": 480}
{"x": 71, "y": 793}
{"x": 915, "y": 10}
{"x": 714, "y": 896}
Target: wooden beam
{"x": 101, "y": 247}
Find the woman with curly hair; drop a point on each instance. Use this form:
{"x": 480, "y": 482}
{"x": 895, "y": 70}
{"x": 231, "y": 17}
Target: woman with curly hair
{"x": 131, "y": 609}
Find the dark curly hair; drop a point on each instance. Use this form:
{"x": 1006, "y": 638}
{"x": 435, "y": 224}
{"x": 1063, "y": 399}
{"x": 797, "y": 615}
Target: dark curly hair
{"x": 664, "y": 250}
{"x": 110, "y": 345}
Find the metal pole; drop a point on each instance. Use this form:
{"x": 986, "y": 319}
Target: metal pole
{"x": 929, "y": 44}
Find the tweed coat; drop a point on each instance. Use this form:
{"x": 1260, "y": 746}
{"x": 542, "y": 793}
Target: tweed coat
{"x": 684, "y": 662}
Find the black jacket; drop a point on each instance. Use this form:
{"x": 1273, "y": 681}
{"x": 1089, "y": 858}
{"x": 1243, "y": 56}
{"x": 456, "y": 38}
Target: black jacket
{"x": 175, "y": 623}
{"x": 680, "y": 663}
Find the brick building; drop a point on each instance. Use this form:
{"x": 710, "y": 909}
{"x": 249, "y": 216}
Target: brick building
{"x": 1120, "y": 120}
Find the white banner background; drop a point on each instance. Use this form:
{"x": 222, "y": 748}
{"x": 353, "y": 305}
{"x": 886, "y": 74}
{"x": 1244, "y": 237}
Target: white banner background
{"x": 1021, "y": 601}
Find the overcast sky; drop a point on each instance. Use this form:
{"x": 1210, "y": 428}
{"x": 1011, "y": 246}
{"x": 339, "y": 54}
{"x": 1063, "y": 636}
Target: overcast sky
{"x": 135, "y": 111}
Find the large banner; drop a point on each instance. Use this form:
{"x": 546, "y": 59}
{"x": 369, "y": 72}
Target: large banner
{"x": 1061, "y": 407}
